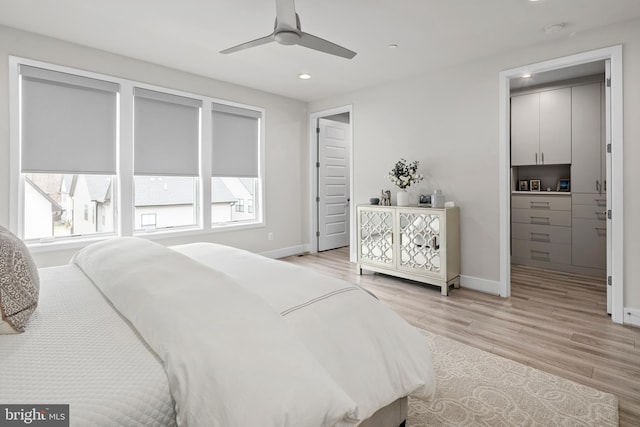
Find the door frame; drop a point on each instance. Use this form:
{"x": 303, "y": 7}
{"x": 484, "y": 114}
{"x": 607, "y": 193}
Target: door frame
{"x": 614, "y": 53}
{"x": 313, "y": 176}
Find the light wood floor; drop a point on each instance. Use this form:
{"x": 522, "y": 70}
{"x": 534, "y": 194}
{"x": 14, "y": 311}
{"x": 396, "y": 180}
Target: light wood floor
{"x": 555, "y": 322}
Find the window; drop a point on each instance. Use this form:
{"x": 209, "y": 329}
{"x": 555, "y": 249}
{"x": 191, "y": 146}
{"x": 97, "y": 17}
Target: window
{"x": 166, "y": 161}
{"x": 235, "y": 163}
{"x": 228, "y": 196}
{"x": 171, "y": 199}
{"x": 68, "y": 152}
{"x": 70, "y": 135}
{"x": 58, "y": 205}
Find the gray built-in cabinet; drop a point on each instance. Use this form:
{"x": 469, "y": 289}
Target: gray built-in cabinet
{"x": 562, "y": 125}
{"x": 588, "y": 173}
{"x": 588, "y": 150}
{"x": 541, "y": 128}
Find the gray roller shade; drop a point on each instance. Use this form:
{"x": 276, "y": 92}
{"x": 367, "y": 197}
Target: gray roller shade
{"x": 166, "y": 134}
{"x": 236, "y": 137}
{"x": 68, "y": 123}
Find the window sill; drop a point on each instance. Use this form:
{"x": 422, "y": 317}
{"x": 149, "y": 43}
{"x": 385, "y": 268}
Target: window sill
{"x": 78, "y": 243}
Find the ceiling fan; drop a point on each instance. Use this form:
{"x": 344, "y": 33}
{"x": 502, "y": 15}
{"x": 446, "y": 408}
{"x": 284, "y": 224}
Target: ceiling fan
{"x": 287, "y": 32}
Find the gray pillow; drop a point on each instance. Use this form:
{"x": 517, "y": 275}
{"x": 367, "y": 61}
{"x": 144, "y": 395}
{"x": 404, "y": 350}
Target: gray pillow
{"x": 19, "y": 283}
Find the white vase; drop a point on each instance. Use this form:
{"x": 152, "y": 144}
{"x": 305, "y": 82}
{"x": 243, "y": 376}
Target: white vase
{"x": 402, "y": 198}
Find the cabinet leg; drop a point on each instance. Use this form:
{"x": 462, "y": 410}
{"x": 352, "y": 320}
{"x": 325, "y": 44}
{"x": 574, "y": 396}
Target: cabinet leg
{"x": 456, "y": 283}
{"x": 359, "y": 270}
{"x": 445, "y": 289}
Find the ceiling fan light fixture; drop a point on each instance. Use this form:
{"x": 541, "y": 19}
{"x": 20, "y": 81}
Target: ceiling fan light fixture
{"x": 287, "y": 38}
{"x": 554, "y": 28}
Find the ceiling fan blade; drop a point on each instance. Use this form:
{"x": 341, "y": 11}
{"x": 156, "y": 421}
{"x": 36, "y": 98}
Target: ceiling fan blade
{"x": 286, "y": 15}
{"x": 316, "y": 43}
{"x": 247, "y": 45}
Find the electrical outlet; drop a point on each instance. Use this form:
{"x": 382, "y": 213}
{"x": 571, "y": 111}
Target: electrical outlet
{"x": 270, "y": 235}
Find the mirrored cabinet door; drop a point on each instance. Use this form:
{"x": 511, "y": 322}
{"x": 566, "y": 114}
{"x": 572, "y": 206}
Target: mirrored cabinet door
{"x": 375, "y": 242}
{"x": 419, "y": 243}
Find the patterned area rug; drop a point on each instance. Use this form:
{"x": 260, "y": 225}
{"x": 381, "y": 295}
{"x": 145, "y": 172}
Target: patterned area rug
{"x": 476, "y": 388}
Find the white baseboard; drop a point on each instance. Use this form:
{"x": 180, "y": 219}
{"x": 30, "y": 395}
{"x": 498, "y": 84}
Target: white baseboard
{"x": 285, "y": 252}
{"x": 631, "y": 316}
{"x": 481, "y": 285}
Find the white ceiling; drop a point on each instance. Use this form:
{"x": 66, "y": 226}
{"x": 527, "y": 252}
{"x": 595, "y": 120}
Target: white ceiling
{"x": 188, "y": 34}
{"x": 589, "y": 69}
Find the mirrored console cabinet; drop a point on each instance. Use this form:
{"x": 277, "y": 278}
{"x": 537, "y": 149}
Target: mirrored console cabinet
{"x": 415, "y": 243}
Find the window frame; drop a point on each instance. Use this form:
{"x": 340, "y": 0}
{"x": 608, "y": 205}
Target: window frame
{"x": 124, "y": 216}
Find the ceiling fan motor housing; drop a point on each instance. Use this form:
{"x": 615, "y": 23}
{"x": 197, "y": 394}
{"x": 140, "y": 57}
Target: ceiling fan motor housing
{"x": 287, "y": 38}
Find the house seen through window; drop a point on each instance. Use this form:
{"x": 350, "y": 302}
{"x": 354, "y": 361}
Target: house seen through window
{"x": 59, "y": 205}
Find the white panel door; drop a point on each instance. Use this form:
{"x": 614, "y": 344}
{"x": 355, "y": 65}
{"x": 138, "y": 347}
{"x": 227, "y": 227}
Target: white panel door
{"x": 607, "y": 165}
{"x": 333, "y": 184}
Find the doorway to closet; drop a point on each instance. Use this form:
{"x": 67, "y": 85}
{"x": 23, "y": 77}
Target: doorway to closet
{"x": 569, "y": 70}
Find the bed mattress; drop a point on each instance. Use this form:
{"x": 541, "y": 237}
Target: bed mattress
{"x": 110, "y": 378}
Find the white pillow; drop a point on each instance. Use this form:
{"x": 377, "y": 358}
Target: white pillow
{"x": 19, "y": 283}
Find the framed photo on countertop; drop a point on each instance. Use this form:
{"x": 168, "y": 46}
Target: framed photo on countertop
{"x": 523, "y": 185}
{"x": 534, "y": 185}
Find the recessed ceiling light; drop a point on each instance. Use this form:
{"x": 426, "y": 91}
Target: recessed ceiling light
{"x": 526, "y": 76}
{"x": 554, "y": 28}
{"x": 393, "y": 46}
{"x": 304, "y": 76}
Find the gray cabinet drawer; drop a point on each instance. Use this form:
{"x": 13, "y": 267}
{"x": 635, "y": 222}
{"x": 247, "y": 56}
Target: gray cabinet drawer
{"x": 556, "y": 203}
{"x": 541, "y": 217}
{"x": 541, "y": 233}
{"x": 589, "y": 212}
{"x": 589, "y": 243}
{"x": 545, "y": 252}
{"x": 593, "y": 199}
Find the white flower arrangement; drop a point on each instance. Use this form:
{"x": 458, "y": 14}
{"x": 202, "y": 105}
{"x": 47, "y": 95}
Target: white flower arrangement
{"x": 404, "y": 174}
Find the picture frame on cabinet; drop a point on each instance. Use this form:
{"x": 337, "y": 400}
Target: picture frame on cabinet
{"x": 534, "y": 185}
{"x": 523, "y": 185}
{"x": 564, "y": 184}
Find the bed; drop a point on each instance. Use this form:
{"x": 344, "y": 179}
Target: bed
{"x": 135, "y": 333}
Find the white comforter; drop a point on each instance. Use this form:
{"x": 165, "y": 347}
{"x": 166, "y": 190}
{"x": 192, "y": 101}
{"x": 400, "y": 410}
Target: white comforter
{"x": 370, "y": 351}
{"x": 250, "y": 341}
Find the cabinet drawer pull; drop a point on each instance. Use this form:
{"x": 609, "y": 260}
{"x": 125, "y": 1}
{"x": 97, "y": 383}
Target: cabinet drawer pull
{"x": 539, "y": 205}
{"x": 544, "y": 220}
{"x": 540, "y": 255}
{"x": 540, "y": 252}
{"x": 540, "y": 237}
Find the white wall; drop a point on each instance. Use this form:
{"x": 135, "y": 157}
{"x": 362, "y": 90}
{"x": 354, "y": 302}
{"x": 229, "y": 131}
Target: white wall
{"x": 448, "y": 119}
{"x": 286, "y": 128}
